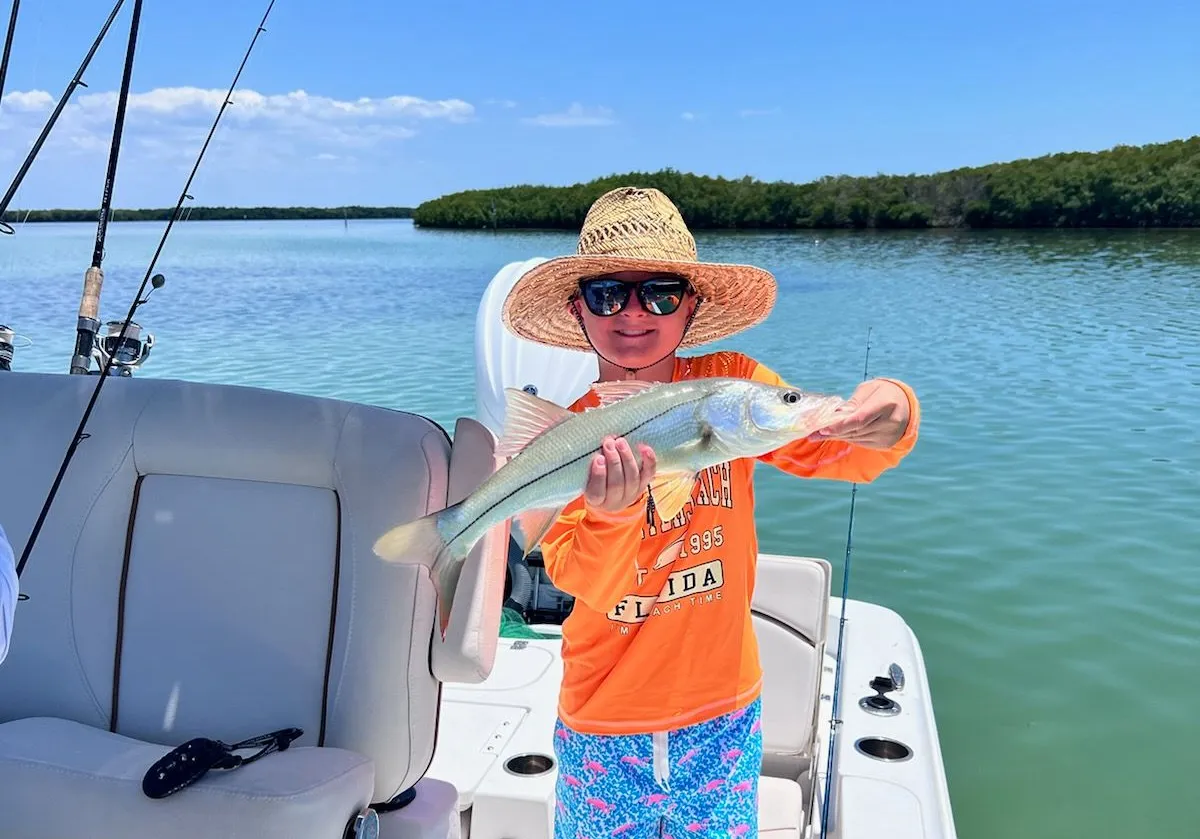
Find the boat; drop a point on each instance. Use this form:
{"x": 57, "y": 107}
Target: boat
{"x": 206, "y": 572}
{"x": 208, "y": 647}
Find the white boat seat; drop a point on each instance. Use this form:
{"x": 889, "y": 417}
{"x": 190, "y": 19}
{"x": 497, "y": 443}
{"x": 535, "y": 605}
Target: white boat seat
{"x": 54, "y": 771}
{"x": 791, "y": 615}
{"x": 206, "y": 571}
{"x": 780, "y": 808}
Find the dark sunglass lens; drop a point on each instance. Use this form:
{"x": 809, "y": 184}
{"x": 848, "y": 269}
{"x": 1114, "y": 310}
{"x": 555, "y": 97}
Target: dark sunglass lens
{"x": 662, "y": 297}
{"x": 605, "y": 297}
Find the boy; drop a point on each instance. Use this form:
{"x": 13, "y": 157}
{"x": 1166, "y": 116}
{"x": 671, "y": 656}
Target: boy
{"x": 659, "y": 729}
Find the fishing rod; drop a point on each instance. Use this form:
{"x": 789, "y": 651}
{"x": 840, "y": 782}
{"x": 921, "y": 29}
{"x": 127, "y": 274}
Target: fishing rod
{"x": 77, "y": 81}
{"x": 157, "y": 280}
{"x": 8, "y": 42}
{"x": 93, "y": 279}
{"x": 835, "y": 719}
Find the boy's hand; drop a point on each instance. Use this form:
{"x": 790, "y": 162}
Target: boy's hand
{"x": 875, "y": 416}
{"x": 614, "y": 481}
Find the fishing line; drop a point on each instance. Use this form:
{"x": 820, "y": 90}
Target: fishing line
{"x": 157, "y": 280}
{"x": 835, "y": 720}
{"x": 77, "y": 81}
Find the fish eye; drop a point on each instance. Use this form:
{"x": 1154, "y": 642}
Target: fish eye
{"x": 791, "y": 397}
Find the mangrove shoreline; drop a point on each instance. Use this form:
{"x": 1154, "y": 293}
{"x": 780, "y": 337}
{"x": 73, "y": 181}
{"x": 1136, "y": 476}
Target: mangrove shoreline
{"x": 1155, "y": 185}
{"x": 214, "y": 214}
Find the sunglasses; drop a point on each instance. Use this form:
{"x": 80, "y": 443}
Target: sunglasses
{"x": 605, "y": 296}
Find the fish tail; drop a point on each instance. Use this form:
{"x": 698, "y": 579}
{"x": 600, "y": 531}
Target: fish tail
{"x": 423, "y": 538}
{"x": 415, "y": 538}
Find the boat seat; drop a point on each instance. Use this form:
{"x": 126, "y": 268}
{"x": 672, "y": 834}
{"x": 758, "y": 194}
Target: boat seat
{"x": 207, "y": 571}
{"x": 780, "y": 808}
{"x": 790, "y": 615}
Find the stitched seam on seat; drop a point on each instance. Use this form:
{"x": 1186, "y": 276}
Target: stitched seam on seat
{"x": 82, "y": 671}
{"x": 351, "y": 530}
{"x": 326, "y": 702}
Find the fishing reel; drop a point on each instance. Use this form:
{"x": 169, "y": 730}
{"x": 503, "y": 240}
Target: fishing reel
{"x": 126, "y": 353}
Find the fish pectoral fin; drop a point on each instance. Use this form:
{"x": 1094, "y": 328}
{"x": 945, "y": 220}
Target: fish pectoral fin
{"x": 610, "y": 392}
{"x": 670, "y": 491}
{"x": 525, "y": 418}
{"x": 531, "y": 526}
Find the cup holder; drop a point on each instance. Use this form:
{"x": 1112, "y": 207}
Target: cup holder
{"x": 883, "y": 748}
{"x": 529, "y": 765}
{"x": 880, "y": 705}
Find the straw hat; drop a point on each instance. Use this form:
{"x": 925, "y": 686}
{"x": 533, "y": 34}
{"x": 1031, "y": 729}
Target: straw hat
{"x": 632, "y": 229}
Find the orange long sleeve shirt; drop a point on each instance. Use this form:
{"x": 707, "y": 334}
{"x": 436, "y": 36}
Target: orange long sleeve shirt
{"x": 661, "y": 636}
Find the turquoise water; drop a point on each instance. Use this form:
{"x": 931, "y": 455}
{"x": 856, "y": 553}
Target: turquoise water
{"x": 1043, "y": 540}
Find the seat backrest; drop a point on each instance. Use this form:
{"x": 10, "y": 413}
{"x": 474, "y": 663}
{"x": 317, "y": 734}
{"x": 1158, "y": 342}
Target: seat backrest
{"x": 504, "y": 360}
{"x": 207, "y": 567}
{"x": 791, "y": 616}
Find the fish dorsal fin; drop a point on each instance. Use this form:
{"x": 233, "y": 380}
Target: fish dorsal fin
{"x": 610, "y": 392}
{"x": 526, "y": 417}
{"x": 531, "y": 525}
{"x": 670, "y": 491}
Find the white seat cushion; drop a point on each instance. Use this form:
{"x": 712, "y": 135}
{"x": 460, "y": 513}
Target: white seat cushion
{"x": 780, "y": 808}
{"x": 62, "y": 778}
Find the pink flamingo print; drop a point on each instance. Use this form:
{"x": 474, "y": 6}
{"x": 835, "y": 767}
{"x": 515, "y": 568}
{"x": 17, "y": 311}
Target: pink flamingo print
{"x": 653, "y": 798}
{"x": 712, "y": 786}
{"x": 594, "y": 767}
{"x": 601, "y": 805}
{"x": 572, "y": 781}
{"x": 691, "y": 753}
{"x": 732, "y": 754}
{"x": 696, "y": 827}
{"x": 562, "y": 808}
{"x": 757, "y": 727}
{"x": 738, "y": 714}
{"x": 624, "y": 828}
{"x": 562, "y": 734}
{"x": 739, "y": 830}
{"x": 635, "y": 761}
{"x": 742, "y": 786}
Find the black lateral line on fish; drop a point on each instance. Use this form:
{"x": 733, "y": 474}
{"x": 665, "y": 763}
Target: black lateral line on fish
{"x": 570, "y": 462}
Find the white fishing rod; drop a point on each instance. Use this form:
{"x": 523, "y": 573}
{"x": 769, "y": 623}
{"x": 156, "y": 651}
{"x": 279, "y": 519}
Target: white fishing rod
{"x": 835, "y": 717}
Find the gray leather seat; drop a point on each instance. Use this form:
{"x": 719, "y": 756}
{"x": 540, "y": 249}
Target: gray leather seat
{"x": 206, "y": 571}
{"x": 791, "y": 620}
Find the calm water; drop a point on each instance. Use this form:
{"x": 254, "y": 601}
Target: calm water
{"x": 1043, "y": 540}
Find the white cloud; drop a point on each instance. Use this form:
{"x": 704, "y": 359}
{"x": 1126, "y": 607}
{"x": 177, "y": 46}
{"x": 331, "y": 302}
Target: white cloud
{"x": 293, "y": 134}
{"x": 501, "y": 103}
{"x": 759, "y": 112}
{"x": 576, "y": 116}
{"x": 687, "y": 115}
{"x": 165, "y": 118}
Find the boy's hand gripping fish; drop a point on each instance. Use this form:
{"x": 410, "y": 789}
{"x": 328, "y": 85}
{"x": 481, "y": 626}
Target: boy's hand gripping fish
{"x": 690, "y": 426}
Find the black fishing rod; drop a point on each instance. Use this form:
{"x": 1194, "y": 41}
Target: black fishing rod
{"x": 77, "y": 81}
{"x": 835, "y": 718}
{"x": 157, "y": 280}
{"x": 8, "y": 41}
{"x": 93, "y": 279}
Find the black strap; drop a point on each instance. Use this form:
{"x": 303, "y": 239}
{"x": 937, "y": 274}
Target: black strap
{"x": 188, "y": 763}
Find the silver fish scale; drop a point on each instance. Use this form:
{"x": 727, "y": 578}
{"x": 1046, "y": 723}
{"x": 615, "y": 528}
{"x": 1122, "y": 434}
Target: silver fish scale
{"x": 552, "y": 470}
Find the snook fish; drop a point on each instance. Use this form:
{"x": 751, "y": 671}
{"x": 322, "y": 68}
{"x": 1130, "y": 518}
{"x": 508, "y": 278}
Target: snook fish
{"x": 690, "y": 425}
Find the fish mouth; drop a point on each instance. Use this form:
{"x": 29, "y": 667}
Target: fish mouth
{"x": 811, "y": 420}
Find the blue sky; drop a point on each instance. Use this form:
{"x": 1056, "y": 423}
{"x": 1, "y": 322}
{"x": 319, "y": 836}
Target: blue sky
{"x": 383, "y": 102}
